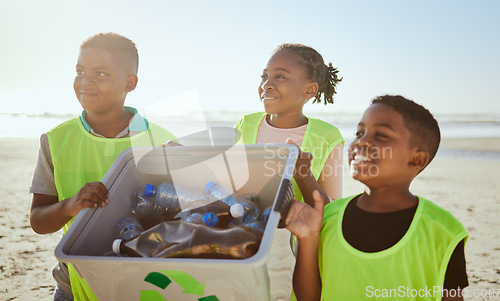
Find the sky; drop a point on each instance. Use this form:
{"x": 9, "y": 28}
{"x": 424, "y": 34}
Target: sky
{"x": 209, "y": 55}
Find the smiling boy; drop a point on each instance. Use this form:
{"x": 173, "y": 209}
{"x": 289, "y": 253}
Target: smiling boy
{"x": 385, "y": 239}
{"x": 75, "y": 155}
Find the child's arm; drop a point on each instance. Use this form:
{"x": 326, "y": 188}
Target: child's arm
{"x": 331, "y": 175}
{"x": 305, "y": 178}
{"x": 458, "y": 298}
{"x": 305, "y": 223}
{"x": 48, "y": 215}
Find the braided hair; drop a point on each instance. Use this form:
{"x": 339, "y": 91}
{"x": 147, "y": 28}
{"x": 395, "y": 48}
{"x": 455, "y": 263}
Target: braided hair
{"x": 325, "y": 75}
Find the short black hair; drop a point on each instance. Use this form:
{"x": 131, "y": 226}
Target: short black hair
{"x": 325, "y": 75}
{"x": 116, "y": 44}
{"x": 423, "y": 127}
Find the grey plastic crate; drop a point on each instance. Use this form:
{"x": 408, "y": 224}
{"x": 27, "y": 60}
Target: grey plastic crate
{"x": 262, "y": 169}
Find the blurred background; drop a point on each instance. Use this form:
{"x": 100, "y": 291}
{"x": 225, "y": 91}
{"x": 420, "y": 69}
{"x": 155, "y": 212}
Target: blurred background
{"x": 201, "y": 61}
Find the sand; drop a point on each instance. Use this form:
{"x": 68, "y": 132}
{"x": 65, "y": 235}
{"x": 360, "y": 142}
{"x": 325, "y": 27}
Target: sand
{"x": 468, "y": 188}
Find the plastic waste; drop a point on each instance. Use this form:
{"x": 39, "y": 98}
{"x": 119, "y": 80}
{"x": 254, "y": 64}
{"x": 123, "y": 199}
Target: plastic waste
{"x": 216, "y": 214}
{"x": 182, "y": 239}
{"x": 195, "y": 218}
{"x": 149, "y": 213}
{"x": 216, "y": 190}
{"x": 130, "y": 228}
{"x": 264, "y": 216}
{"x": 256, "y": 225}
{"x": 208, "y": 219}
{"x": 172, "y": 197}
{"x": 246, "y": 200}
{"x": 144, "y": 206}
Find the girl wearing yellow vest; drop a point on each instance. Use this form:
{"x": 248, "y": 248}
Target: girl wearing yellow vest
{"x": 294, "y": 74}
{"x": 385, "y": 243}
{"x": 75, "y": 155}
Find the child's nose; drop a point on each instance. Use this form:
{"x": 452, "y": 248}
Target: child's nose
{"x": 363, "y": 141}
{"x": 88, "y": 80}
{"x": 266, "y": 85}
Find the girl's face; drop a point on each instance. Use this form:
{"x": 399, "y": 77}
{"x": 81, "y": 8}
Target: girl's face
{"x": 285, "y": 85}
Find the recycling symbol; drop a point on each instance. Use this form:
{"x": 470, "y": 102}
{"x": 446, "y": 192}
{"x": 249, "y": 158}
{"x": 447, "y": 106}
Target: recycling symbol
{"x": 163, "y": 278}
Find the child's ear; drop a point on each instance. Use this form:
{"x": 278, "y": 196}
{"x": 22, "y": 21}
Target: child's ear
{"x": 131, "y": 83}
{"x": 419, "y": 159}
{"x": 312, "y": 89}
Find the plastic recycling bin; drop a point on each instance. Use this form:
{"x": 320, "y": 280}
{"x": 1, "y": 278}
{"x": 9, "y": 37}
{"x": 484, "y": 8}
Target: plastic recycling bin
{"x": 262, "y": 169}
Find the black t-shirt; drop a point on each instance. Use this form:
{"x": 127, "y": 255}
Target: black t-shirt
{"x": 373, "y": 232}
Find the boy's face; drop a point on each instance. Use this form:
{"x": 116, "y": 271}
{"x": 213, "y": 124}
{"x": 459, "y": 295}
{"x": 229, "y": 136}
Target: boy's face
{"x": 380, "y": 154}
{"x": 101, "y": 83}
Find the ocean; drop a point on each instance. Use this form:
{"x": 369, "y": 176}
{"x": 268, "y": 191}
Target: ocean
{"x": 452, "y": 126}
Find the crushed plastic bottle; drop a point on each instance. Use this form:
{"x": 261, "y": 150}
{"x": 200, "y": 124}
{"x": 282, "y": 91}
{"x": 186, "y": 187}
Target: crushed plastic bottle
{"x": 182, "y": 239}
{"x": 145, "y": 206}
{"x": 130, "y": 228}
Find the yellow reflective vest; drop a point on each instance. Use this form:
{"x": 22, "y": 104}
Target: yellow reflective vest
{"x": 80, "y": 157}
{"x": 319, "y": 139}
{"x": 412, "y": 269}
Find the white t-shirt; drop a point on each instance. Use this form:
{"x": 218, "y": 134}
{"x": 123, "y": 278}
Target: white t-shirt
{"x": 281, "y": 261}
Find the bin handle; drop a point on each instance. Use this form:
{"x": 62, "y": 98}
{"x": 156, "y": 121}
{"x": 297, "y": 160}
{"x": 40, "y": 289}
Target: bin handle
{"x": 284, "y": 201}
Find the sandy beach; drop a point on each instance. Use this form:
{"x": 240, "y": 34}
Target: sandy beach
{"x": 467, "y": 187}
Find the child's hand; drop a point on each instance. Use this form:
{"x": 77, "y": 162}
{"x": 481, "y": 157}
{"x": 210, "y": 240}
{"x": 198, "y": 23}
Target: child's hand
{"x": 303, "y": 164}
{"x": 91, "y": 195}
{"x": 171, "y": 143}
{"x": 303, "y": 220}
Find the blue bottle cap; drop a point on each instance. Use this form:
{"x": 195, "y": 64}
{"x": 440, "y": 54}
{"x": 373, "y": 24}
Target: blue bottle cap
{"x": 210, "y": 219}
{"x": 209, "y": 186}
{"x": 148, "y": 190}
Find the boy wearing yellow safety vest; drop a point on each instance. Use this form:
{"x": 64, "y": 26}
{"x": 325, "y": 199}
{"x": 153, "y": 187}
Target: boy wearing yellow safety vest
{"x": 75, "y": 155}
{"x": 385, "y": 242}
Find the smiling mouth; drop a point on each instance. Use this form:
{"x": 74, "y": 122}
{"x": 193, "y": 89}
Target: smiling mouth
{"x": 86, "y": 94}
{"x": 263, "y": 97}
{"x": 360, "y": 159}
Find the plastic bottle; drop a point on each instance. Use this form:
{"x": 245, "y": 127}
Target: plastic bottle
{"x": 256, "y": 225}
{"x": 264, "y": 216}
{"x": 251, "y": 210}
{"x": 195, "y": 218}
{"x": 221, "y": 220}
{"x": 181, "y": 239}
{"x": 130, "y": 228}
{"x": 145, "y": 206}
{"x": 208, "y": 219}
{"x": 215, "y": 214}
{"x": 216, "y": 190}
{"x": 172, "y": 197}
{"x": 246, "y": 200}
{"x": 164, "y": 195}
